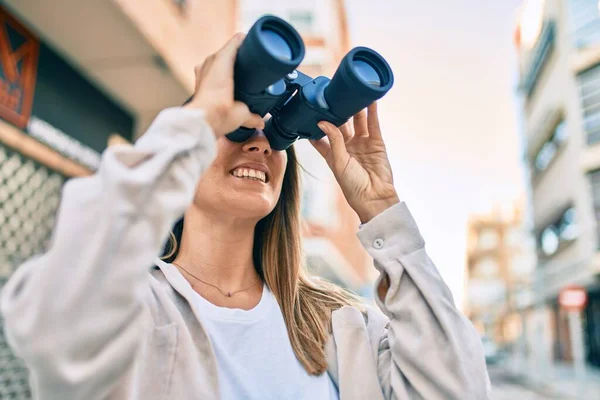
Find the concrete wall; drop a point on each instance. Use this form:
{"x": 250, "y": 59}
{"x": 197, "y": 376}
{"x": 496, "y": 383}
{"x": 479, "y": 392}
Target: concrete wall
{"x": 564, "y": 181}
{"x": 185, "y": 38}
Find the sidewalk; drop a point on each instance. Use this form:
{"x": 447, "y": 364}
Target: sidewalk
{"x": 558, "y": 381}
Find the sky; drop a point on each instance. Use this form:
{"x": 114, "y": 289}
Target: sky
{"x": 450, "y": 122}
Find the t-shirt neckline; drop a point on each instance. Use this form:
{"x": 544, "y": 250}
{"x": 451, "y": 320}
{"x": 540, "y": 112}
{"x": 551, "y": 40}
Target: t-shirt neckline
{"x": 212, "y": 311}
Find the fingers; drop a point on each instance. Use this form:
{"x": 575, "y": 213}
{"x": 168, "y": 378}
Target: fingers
{"x": 360, "y": 123}
{"x": 322, "y": 146}
{"x": 242, "y": 116}
{"x": 255, "y": 121}
{"x": 198, "y": 74}
{"x": 373, "y": 121}
{"x": 336, "y": 141}
{"x": 346, "y": 130}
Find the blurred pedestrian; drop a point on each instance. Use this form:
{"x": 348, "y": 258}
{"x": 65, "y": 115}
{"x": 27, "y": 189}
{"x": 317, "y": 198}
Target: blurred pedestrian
{"x": 227, "y": 312}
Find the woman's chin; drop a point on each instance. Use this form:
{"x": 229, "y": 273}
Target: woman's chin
{"x": 250, "y": 205}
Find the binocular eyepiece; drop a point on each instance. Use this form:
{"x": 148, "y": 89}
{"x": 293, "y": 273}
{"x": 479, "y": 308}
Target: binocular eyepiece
{"x": 266, "y": 79}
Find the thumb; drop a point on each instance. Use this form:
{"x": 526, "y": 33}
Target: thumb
{"x": 229, "y": 50}
{"x": 322, "y": 147}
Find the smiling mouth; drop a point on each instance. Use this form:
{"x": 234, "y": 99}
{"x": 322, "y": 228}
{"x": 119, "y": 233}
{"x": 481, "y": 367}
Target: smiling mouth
{"x": 250, "y": 174}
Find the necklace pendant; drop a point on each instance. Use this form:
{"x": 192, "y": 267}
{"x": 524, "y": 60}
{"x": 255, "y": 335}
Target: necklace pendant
{"x": 228, "y": 294}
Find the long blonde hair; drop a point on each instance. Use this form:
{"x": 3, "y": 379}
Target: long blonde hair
{"x": 306, "y": 305}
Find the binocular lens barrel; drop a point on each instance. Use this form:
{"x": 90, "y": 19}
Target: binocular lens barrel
{"x": 362, "y": 77}
{"x": 272, "y": 49}
{"x": 367, "y": 73}
{"x": 277, "y": 45}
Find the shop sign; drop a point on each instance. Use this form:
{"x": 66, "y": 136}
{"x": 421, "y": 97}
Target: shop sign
{"x": 19, "y": 50}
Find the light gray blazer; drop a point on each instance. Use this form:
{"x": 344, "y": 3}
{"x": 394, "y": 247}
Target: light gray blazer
{"x": 92, "y": 322}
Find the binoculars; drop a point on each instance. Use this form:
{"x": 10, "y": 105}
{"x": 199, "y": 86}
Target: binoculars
{"x": 267, "y": 81}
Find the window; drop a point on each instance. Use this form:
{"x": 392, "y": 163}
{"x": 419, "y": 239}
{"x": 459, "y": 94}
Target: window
{"x": 550, "y": 147}
{"x": 595, "y": 183}
{"x": 589, "y": 88}
{"x": 584, "y": 22}
{"x": 549, "y": 240}
{"x": 488, "y": 240}
{"x": 303, "y": 21}
{"x": 560, "y": 233}
{"x": 487, "y": 268}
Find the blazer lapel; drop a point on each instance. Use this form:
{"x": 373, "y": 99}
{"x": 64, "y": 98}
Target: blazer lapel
{"x": 355, "y": 366}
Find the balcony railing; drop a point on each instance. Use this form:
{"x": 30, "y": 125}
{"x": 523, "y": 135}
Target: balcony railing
{"x": 539, "y": 57}
{"x": 589, "y": 89}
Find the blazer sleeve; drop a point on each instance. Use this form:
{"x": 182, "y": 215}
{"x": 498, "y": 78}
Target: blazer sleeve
{"x": 75, "y": 314}
{"x": 429, "y": 349}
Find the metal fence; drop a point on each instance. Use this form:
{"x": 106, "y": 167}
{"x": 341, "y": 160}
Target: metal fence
{"x": 29, "y": 198}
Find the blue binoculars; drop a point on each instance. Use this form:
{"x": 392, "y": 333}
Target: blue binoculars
{"x": 267, "y": 81}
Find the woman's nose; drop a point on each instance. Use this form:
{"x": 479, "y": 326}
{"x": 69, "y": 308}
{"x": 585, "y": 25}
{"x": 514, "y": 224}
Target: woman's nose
{"x": 258, "y": 142}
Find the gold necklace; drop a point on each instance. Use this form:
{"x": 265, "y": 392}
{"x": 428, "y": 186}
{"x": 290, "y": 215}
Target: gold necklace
{"x": 226, "y": 294}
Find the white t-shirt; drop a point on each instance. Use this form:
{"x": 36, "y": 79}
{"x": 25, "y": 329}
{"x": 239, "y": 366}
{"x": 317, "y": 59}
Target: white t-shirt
{"x": 254, "y": 355}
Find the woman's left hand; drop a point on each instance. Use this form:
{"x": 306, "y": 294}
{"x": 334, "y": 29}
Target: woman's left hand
{"x": 360, "y": 163}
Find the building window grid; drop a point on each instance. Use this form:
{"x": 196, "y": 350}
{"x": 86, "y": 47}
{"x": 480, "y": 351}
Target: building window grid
{"x": 558, "y": 234}
{"x": 594, "y": 178}
{"x": 303, "y": 21}
{"x": 589, "y": 88}
{"x": 550, "y": 148}
{"x": 584, "y": 22}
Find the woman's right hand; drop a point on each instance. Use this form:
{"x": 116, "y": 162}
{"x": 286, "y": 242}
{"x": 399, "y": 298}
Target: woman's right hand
{"x": 214, "y": 92}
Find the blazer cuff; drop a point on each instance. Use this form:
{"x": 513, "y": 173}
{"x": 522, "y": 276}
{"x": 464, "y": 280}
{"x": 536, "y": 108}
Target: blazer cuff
{"x": 391, "y": 234}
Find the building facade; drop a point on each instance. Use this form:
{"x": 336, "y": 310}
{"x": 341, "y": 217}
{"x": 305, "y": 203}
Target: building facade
{"x": 558, "y": 46}
{"x": 500, "y": 258}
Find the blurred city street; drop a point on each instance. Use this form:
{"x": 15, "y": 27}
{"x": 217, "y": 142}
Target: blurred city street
{"x": 523, "y": 379}
{"x": 492, "y": 127}
{"x": 506, "y": 387}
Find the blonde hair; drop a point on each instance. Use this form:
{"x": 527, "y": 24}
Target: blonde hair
{"x": 306, "y": 305}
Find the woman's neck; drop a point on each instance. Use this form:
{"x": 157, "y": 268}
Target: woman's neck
{"x": 218, "y": 251}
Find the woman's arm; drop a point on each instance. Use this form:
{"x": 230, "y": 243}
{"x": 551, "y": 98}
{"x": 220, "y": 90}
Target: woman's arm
{"x": 75, "y": 314}
{"x": 430, "y": 350}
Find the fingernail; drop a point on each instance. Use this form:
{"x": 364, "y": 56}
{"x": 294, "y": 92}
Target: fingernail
{"x": 322, "y": 126}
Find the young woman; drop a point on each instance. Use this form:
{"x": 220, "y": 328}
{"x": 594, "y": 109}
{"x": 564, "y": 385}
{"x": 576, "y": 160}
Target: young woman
{"x": 227, "y": 312}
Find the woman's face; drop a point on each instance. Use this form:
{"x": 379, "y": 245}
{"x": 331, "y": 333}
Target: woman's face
{"x": 244, "y": 180}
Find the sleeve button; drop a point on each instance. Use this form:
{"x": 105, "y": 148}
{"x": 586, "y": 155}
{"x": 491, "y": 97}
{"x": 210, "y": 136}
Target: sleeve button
{"x": 378, "y": 243}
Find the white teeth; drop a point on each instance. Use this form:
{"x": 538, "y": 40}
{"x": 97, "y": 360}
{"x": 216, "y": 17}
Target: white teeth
{"x": 250, "y": 174}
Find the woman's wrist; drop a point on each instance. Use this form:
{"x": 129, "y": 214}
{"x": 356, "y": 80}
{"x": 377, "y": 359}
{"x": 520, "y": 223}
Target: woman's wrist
{"x": 211, "y": 116}
{"x": 372, "y": 209}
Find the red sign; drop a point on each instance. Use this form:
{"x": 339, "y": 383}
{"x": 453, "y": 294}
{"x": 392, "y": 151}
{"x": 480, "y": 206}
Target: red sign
{"x": 572, "y": 298}
{"x": 19, "y": 51}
